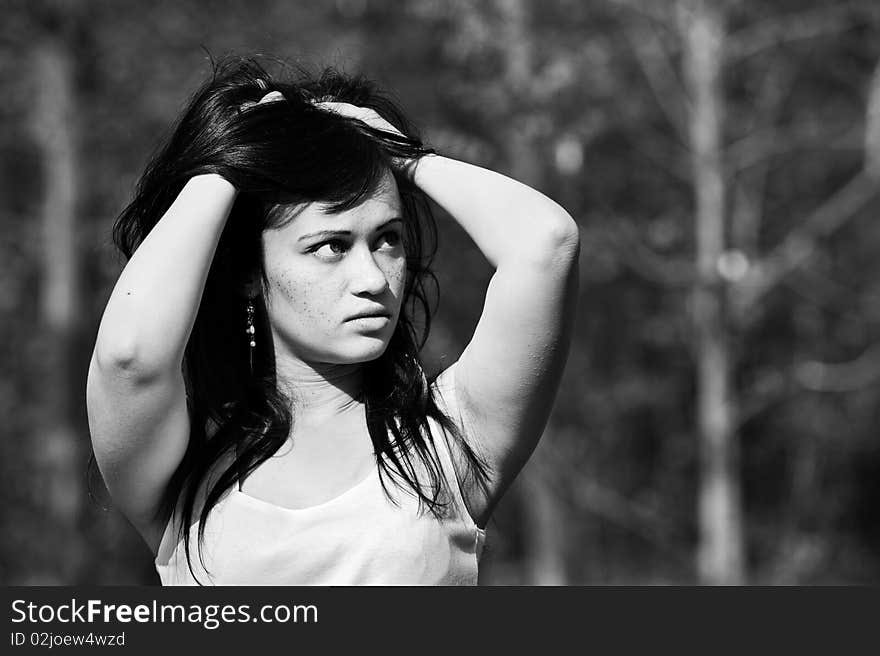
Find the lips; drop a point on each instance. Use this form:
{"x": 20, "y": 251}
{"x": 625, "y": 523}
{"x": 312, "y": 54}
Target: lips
{"x": 370, "y": 314}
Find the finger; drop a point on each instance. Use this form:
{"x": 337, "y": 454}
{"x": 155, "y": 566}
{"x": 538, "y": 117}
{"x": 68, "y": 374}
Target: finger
{"x": 347, "y": 110}
{"x": 272, "y": 96}
{"x": 339, "y": 107}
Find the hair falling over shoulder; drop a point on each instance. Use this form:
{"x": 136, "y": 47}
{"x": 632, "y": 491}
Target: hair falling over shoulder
{"x": 278, "y": 154}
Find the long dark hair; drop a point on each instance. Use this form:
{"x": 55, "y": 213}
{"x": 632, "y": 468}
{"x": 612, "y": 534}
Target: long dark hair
{"x": 279, "y": 155}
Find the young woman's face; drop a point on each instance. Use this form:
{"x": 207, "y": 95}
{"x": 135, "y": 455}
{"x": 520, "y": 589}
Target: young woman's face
{"x": 325, "y": 269}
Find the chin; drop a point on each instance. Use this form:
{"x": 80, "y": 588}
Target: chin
{"x": 373, "y": 352}
{"x": 365, "y": 349}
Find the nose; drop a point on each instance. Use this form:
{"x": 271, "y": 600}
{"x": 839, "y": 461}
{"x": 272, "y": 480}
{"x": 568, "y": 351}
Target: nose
{"x": 367, "y": 276}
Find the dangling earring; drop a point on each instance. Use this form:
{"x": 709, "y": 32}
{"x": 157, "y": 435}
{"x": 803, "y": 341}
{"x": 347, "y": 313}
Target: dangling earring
{"x": 251, "y": 333}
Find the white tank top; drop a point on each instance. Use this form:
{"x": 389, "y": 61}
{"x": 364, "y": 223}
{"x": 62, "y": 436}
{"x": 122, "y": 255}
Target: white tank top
{"x": 356, "y": 538}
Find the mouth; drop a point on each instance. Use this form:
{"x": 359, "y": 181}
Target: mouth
{"x": 370, "y": 315}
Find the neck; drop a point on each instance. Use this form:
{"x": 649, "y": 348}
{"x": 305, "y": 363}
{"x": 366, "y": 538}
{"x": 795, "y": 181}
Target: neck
{"x": 319, "y": 391}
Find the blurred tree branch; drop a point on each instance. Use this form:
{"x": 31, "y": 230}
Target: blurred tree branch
{"x": 748, "y": 198}
{"x": 592, "y": 496}
{"x": 653, "y": 146}
{"x": 659, "y": 12}
{"x": 639, "y": 519}
{"x": 802, "y": 243}
{"x": 800, "y": 26}
{"x": 655, "y": 63}
{"x": 769, "y": 32}
{"x": 634, "y": 253}
{"x": 841, "y": 377}
{"x": 763, "y": 144}
{"x": 770, "y": 387}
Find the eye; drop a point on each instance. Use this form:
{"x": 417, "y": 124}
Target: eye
{"x": 392, "y": 237}
{"x": 329, "y": 249}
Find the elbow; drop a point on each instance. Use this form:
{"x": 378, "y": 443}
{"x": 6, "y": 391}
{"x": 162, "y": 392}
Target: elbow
{"x": 115, "y": 351}
{"x": 107, "y": 357}
{"x": 559, "y": 229}
{"x": 122, "y": 362}
{"x": 567, "y": 236}
{"x": 560, "y": 242}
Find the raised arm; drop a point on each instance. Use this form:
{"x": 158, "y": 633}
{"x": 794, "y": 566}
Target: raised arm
{"x": 507, "y": 376}
{"x": 135, "y": 391}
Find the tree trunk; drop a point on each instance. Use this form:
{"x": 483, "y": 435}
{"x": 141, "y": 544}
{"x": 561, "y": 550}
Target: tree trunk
{"x": 59, "y": 468}
{"x": 545, "y": 534}
{"x": 720, "y": 558}
{"x": 544, "y": 531}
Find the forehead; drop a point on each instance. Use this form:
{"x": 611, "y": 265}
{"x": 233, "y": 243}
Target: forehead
{"x": 375, "y": 209}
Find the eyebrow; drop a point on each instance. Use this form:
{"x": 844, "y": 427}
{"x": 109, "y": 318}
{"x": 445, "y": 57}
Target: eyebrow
{"x": 345, "y": 233}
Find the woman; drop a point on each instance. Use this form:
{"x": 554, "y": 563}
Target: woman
{"x": 256, "y": 386}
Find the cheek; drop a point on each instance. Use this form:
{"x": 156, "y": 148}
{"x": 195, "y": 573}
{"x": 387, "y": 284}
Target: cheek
{"x": 396, "y": 275}
{"x": 299, "y": 298}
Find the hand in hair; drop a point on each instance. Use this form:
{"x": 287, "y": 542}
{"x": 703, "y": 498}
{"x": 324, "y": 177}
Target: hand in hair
{"x": 372, "y": 119}
{"x": 368, "y": 116}
{"x": 272, "y": 96}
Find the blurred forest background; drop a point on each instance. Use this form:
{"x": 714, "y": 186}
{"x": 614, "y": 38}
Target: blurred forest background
{"x": 718, "y": 420}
